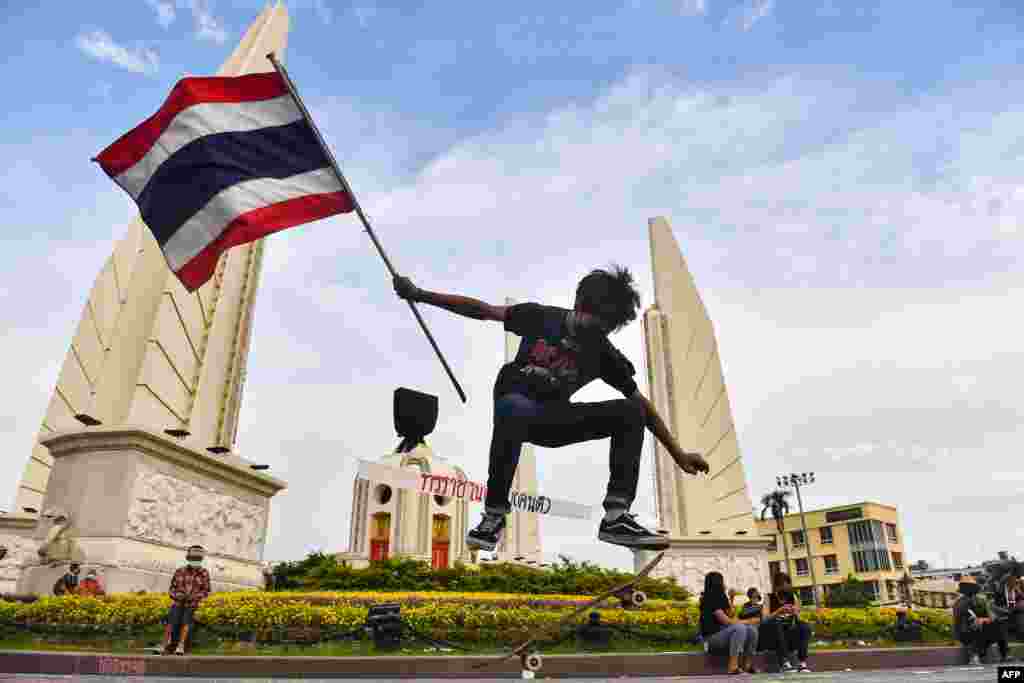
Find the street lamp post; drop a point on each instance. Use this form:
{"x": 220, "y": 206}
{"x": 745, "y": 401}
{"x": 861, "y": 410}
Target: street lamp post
{"x": 796, "y": 481}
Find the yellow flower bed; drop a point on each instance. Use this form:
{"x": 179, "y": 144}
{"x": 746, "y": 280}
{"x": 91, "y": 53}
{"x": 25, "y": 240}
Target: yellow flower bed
{"x": 459, "y": 614}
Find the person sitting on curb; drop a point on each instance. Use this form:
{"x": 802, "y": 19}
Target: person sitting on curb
{"x": 721, "y": 630}
{"x": 974, "y": 624}
{"x": 90, "y": 585}
{"x": 753, "y": 608}
{"x": 189, "y": 586}
{"x": 67, "y": 584}
{"x": 781, "y": 628}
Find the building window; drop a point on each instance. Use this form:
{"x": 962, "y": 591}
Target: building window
{"x": 890, "y": 531}
{"x": 897, "y": 560}
{"x": 831, "y": 564}
{"x": 774, "y": 568}
{"x": 806, "y": 596}
{"x": 871, "y": 561}
{"x": 798, "y": 538}
{"x": 802, "y": 566}
{"x": 826, "y": 535}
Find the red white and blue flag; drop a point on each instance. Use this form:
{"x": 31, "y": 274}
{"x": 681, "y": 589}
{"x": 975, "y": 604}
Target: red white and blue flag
{"x": 225, "y": 161}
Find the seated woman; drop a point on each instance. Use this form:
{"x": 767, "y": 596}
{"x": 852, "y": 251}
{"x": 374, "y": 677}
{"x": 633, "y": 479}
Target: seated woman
{"x": 723, "y": 631}
{"x": 781, "y": 628}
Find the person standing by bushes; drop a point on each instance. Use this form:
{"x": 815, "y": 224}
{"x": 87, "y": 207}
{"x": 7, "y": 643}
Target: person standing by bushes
{"x": 721, "y": 630}
{"x": 781, "y": 627}
{"x": 189, "y": 586}
{"x": 974, "y": 624}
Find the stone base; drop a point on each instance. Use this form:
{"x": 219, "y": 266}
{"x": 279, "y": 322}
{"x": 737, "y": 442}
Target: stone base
{"x": 17, "y": 536}
{"x": 128, "y": 502}
{"x": 742, "y": 561}
{"x": 128, "y": 565}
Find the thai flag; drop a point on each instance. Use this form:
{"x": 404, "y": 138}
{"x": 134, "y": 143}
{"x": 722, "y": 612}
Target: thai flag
{"x": 225, "y": 161}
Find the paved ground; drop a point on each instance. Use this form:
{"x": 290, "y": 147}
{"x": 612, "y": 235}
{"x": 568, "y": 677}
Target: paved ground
{"x": 962, "y": 674}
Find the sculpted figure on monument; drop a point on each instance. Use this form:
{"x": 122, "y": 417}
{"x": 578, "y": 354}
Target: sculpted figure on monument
{"x": 59, "y": 544}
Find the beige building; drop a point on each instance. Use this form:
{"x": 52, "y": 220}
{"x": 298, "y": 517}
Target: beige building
{"x": 388, "y": 521}
{"x": 864, "y": 539}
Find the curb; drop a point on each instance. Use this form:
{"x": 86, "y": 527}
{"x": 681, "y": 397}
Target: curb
{"x": 563, "y": 666}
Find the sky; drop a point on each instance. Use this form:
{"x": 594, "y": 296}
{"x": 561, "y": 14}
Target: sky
{"x": 843, "y": 178}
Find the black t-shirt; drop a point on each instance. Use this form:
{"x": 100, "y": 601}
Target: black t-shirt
{"x": 709, "y": 604}
{"x": 553, "y": 363}
{"x": 775, "y": 602}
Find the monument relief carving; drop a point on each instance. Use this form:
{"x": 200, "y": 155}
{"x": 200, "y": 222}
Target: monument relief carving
{"x": 20, "y": 552}
{"x": 176, "y": 512}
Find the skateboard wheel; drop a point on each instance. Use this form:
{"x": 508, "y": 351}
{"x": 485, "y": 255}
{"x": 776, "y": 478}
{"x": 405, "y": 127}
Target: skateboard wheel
{"x": 638, "y": 598}
{"x": 532, "y": 662}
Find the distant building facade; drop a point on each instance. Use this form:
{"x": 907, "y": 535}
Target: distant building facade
{"x": 863, "y": 539}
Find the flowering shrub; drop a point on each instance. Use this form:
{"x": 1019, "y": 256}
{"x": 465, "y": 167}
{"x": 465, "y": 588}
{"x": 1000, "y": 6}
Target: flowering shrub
{"x": 478, "y": 617}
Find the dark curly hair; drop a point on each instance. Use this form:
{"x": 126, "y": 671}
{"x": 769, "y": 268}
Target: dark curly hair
{"x": 610, "y": 295}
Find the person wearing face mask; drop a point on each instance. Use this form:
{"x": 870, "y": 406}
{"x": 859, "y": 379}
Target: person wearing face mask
{"x": 68, "y": 583}
{"x": 189, "y": 586}
{"x": 974, "y": 624}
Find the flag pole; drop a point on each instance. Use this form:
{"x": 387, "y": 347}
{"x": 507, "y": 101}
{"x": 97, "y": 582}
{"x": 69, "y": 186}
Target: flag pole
{"x": 359, "y": 212}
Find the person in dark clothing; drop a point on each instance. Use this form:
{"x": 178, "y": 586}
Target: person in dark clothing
{"x": 754, "y": 605}
{"x": 721, "y": 630}
{"x": 561, "y": 351}
{"x": 781, "y": 628}
{"x": 974, "y": 623}
{"x": 68, "y": 584}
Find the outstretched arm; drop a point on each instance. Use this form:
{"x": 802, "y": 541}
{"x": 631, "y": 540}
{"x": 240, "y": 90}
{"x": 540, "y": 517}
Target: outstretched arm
{"x": 460, "y": 305}
{"x": 691, "y": 463}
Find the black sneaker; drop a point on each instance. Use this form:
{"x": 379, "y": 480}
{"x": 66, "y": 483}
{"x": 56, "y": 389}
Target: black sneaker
{"x": 487, "y": 533}
{"x": 625, "y": 530}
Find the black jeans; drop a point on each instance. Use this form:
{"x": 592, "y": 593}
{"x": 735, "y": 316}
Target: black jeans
{"x": 983, "y": 638}
{"x": 784, "y": 639}
{"x": 519, "y": 419}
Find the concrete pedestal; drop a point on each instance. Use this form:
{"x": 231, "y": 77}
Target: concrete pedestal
{"x": 128, "y": 502}
{"x": 742, "y": 561}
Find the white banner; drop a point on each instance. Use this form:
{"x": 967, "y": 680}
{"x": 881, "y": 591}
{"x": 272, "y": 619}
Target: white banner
{"x": 463, "y": 489}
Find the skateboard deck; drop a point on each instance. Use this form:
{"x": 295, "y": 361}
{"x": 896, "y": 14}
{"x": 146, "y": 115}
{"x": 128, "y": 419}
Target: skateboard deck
{"x": 532, "y": 661}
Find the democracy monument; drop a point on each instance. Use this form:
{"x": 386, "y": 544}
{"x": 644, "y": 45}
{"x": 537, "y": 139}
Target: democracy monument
{"x": 135, "y": 459}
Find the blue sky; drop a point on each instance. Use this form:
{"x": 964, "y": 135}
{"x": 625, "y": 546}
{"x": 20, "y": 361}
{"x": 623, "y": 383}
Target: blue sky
{"x": 844, "y": 179}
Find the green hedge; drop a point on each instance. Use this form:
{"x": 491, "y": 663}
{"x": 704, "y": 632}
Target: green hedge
{"x": 320, "y": 572}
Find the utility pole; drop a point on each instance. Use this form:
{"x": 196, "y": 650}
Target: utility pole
{"x": 795, "y": 481}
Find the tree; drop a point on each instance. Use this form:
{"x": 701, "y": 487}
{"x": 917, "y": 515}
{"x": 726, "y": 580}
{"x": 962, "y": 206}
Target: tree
{"x": 777, "y": 502}
{"x": 850, "y": 593}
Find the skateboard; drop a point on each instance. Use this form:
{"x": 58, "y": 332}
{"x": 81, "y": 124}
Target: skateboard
{"x": 532, "y": 661}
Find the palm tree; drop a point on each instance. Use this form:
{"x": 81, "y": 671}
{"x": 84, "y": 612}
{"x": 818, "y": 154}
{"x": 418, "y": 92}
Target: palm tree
{"x": 777, "y": 502}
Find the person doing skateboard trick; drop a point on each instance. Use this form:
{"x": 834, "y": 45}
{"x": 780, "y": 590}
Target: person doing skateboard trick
{"x": 560, "y": 352}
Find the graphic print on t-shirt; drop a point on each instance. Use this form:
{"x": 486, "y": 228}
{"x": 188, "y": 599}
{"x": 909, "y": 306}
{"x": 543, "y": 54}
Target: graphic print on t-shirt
{"x": 557, "y": 364}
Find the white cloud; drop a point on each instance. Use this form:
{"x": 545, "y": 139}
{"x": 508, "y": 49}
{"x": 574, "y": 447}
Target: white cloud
{"x": 165, "y": 11}
{"x": 693, "y": 8}
{"x": 100, "y": 45}
{"x": 754, "y": 12}
{"x": 862, "y": 313}
{"x": 208, "y": 26}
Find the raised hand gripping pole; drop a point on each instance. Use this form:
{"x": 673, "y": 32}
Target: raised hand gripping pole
{"x": 359, "y": 212}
